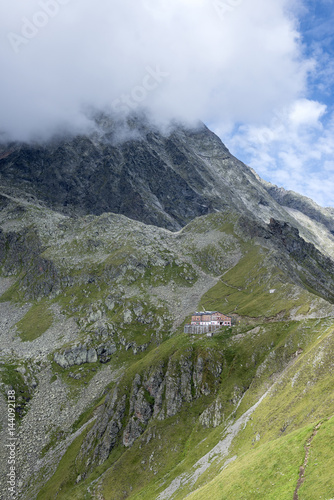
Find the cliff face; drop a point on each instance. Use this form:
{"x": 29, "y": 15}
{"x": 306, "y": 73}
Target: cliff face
{"x": 157, "y": 394}
{"x": 313, "y": 268}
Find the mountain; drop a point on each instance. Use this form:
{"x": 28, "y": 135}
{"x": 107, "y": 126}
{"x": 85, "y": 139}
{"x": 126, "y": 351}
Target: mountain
{"x": 160, "y": 178}
{"x": 108, "y": 243}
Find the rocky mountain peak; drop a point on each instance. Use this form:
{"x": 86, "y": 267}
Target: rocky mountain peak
{"x": 165, "y": 178}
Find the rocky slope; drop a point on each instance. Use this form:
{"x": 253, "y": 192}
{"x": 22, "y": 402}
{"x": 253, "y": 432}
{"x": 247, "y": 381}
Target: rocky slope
{"x": 114, "y": 400}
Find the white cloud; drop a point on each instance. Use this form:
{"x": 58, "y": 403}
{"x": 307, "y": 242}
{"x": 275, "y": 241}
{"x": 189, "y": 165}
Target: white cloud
{"x": 295, "y": 149}
{"x": 58, "y": 56}
{"x": 306, "y": 113}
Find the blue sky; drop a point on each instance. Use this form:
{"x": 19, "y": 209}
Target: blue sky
{"x": 260, "y": 73}
{"x": 294, "y": 147}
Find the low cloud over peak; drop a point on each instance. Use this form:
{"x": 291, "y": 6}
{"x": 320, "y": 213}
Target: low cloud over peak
{"x": 228, "y": 60}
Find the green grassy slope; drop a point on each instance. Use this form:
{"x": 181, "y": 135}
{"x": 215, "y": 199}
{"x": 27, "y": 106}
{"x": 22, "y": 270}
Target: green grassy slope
{"x": 268, "y": 472}
{"x": 272, "y": 442}
{"x": 271, "y": 471}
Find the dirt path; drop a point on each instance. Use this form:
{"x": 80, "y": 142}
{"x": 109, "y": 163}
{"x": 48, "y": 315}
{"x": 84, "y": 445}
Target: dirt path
{"x": 303, "y": 467}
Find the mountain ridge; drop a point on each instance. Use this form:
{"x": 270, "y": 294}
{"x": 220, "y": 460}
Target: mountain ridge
{"x": 161, "y": 178}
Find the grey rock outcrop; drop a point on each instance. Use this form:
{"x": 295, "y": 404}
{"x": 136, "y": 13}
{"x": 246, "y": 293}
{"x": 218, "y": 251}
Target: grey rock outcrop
{"x": 104, "y": 352}
{"x": 312, "y": 267}
{"x": 140, "y": 413}
{"x": 106, "y": 430}
{"x": 213, "y": 415}
{"x": 159, "y": 393}
{"x": 80, "y": 355}
{"x": 20, "y": 252}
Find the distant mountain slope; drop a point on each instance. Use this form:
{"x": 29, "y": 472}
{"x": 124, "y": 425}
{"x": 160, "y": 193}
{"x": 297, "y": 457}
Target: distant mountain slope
{"x": 161, "y": 178}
